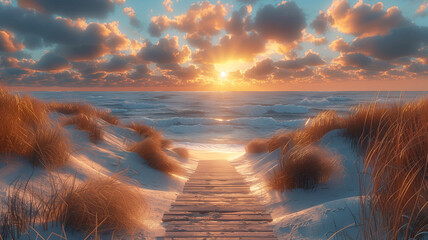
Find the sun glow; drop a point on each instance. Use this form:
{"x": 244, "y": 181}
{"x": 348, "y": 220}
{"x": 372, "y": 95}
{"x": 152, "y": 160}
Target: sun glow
{"x": 223, "y": 74}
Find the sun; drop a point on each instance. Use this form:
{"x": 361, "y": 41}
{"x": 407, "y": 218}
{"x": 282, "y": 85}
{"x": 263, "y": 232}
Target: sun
{"x": 223, "y": 74}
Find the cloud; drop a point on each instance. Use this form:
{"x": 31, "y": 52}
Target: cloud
{"x": 365, "y": 20}
{"x": 232, "y": 47}
{"x": 184, "y": 73}
{"x": 310, "y": 59}
{"x": 118, "y": 64}
{"x": 261, "y": 70}
{"x": 158, "y": 25}
{"x": 237, "y": 23}
{"x": 340, "y": 45}
{"x": 166, "y": 51}
{"x": 360, "y": 61}
{"x": 75, "y": 40}
{"x": 202, "y": 18}
{"x": 129, "y": 11}
{"x": 317, "y": 41}
{"x": 52, "y": 62}
{"x": 400, "y": 42}
{"x": 72, "y": 9}
{"x": 8, "y": 43}
{"x": 168, "y": 5}
{"x": 320, "y": 23}
{"x": 422, "y": 11}
{"x": 284, "y": 23}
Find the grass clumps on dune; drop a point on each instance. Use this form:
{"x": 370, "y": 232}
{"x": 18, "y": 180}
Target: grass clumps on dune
{"x": 144, "y": 130}
{"x": 393, "y": 140}
{"x": 182, "y": 152}
{"x": 50, "y": 147}
{"x": 104, "y": 204}
{"x": 88, "y": 124}
{"x": 304, "y": 167}
{"x": 257, "y": 145}
{"x": 82, "y": 108}
{"x": 101, "y": 205}
{"x": 150, "y": 149}
{"x": 26, "y": 130}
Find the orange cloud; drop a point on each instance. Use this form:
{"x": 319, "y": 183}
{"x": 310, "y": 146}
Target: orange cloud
{"x": 364, "y": 20}
{"x": 8, "y": 42}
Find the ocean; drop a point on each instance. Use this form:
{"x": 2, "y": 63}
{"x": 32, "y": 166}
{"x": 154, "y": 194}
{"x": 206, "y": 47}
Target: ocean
{"x": 223, "y": 120}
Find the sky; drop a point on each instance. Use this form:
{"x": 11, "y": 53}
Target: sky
{"x": 233, "y": 45}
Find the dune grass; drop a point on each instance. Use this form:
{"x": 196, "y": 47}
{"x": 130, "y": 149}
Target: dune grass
{"x": 109, "y": 205}
{"x": 26, "y": 130}
{"x": 182, "y": 152}
{"x": 144, "y": 130}
{"x": 50, "y": 148}
{"x": 86, "y": 123}
{"x": 393, "y": 141}
{"x": 150, "y": 149}
{"x": 76, "y": 108}
{"x": 257, "y": 145}
{"x": 304, "y": 167}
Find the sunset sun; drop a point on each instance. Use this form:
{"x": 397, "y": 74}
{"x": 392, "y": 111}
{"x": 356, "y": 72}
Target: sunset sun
{"x": 223, "y": 74}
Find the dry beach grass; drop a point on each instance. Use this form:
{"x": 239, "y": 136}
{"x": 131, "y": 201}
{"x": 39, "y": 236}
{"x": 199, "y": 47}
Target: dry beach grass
{"x": 393, "y": 141}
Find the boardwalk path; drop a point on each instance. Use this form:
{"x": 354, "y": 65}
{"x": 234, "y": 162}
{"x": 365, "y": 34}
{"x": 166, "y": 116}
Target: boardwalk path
{"x": 216, "y": 203}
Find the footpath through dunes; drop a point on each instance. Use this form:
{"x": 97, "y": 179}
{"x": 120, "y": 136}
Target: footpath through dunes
{"x": 216, "y": 203}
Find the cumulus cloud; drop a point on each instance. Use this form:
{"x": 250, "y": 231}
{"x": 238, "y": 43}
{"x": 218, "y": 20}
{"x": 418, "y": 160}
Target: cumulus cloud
{"x": 422, "y": 11}
{"x": 320, "y": 23}
{"x": 8, "y": 43}
{"x": 130, "y": 12}
{"x": 310, "y": 59}
{"x": 339, "y": 45}
{"x": 73, "y": 9}
{"x": 361, "y": 61}
{"x": 317, "y": 41}
{"x": 168, "y": 5}
{"x": 202, "y": 18}
{"x": 52, "y": 62}
{"x": 365, "y": 20}
{"x": 261, "y": 70}
{"x": 400, "y": 42}
{"x": 166, "y": 51}
{"x": 76, "y": 40}
{"x": 284, "y": 23}
{"x": 232, "y": 47}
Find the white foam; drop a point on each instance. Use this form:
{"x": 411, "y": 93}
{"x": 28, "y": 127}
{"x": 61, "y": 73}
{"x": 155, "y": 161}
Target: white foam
{"x": 258, "y": 110}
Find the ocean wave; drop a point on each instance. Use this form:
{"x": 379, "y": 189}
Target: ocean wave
{"x": 257, "y": 110}
{"x": 338, "y": 98}
{"x": 318, "y": 102}
{"x": 140, "y": 105}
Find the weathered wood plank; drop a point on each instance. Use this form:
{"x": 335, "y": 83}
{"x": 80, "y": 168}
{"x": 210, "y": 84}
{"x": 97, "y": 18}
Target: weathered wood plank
{"x": 219, "y": 228}
{"x": 218, "y": 208}
{"x": 220, "y": 234}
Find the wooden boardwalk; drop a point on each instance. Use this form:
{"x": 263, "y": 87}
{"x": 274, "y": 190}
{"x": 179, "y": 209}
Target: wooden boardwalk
{"x": 216, "y": 204}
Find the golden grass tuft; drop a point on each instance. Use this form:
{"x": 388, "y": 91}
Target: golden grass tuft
{"x": 50, "y": 148}
{"x": 76, "y": 108}
{"x": 86, "y": 123}
{"x": 257, "y": 145}
{"x": 394, "y": 138}
{"x": 150, "y": 149}
{"x": 104, "y": 204}
{"x": 317, "y": 127}
{"x": 182, "y": 152}
{"x": 144, "y": 130}
{"x": 304, "y": 167}
{"x": 26, "y": 130}
{"x": 280, "y": 140}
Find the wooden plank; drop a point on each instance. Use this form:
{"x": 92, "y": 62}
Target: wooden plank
{"x": 226, "y": 223}
{"x": 221, "y": 234}
{"x": 218, "y": 217}
{"x": 209, "y": 192}
{"x": 215, "y": 203}
{"x": 219, "y": 228}
{"x": 218, "y": 208}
